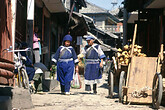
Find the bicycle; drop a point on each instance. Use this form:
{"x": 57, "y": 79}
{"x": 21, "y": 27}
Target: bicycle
{"x": 22, "y": 77}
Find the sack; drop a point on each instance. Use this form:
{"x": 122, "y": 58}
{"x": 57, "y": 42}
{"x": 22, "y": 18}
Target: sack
{"x": 76, "y": 83}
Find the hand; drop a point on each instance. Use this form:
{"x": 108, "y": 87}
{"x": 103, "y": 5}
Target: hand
{"x": 76, "y": 69}
{"x": 101, "y": 65}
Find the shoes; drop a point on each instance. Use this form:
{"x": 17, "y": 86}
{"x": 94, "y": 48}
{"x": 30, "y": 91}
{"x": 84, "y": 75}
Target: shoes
{"x": 63, "y": 93}
{"x": 67, "y": 93}
{"x": 89, "y": 92}
{"x": 94, "y": 92}
{"x": 40, "y": 92}
{"x": 32, "y": 86}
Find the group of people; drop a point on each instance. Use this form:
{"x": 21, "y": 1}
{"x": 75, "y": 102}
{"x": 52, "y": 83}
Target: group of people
{"x": 67, "y": 64}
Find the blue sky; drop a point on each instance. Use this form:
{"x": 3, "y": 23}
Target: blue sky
{"x": 106, "y": 4}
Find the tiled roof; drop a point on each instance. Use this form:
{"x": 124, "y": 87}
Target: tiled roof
{"x": 114, "y": 11}
{"x": 91, "y": 8}
{"x": 81, "y": 3}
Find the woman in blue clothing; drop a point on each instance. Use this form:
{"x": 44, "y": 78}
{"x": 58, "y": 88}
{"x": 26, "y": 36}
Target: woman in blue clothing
{"x": 28, "y": 63}
{"x": 66, "y": 59}
{"x": 93, "y": 64}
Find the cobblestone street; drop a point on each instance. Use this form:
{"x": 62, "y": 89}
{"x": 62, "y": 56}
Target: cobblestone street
{"x": 81, "y": 100}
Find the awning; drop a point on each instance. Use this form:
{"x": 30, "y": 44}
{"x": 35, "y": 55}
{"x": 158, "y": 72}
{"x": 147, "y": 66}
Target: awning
{"x": 105, "y": 47}
{"x": 156, "y": 4}
{"x": 78, "y": 25}
{"x": 54, "y": 6}
{"x": 86, "y": 18}
{"x": 133, "y": 17}
{"x": 132, "y": 5}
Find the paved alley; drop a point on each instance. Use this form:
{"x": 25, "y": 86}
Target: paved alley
{"x": 81, "y": 100}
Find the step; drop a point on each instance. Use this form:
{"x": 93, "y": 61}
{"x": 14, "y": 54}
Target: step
{"x": 15, "y": 97}
{"x": 47, "y": 73}
{"x": 50, "y": 84}
{"x": 21, "y": 98}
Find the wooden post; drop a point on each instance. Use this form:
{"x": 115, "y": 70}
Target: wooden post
{"x": 129, "y": 65}
{"x": 132, "y": 50}
{"x": 160, "y": 59}
{"x": 125, "y": 15}
{"x": 30, "y": 25}
{"x": 134, "y": 38}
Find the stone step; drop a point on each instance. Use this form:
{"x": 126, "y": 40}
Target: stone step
{"x": 15, "y": 97}
{"x": 46, "y": 74}
{"x": 21, "y": 98}
{"x": 50, "y": 84}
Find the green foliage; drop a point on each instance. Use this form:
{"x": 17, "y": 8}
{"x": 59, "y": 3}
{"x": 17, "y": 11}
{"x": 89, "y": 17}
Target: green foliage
{"x": 53, "y": 70}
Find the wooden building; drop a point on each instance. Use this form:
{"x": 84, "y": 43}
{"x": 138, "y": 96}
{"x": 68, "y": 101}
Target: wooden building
{"x": 6, "y": 59}
{"x": 16, "y": 26}
{"x": 54, "y": 22}
{"x": 150, "y": 24}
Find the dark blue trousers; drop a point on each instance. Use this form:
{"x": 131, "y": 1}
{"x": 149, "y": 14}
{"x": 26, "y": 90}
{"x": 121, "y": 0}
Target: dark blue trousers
{"x": 30, "y": 71}
{"x": 66, "y": 87}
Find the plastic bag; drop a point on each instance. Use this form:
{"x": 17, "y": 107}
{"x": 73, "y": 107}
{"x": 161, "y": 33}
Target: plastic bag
{"x": 76, "y": 83}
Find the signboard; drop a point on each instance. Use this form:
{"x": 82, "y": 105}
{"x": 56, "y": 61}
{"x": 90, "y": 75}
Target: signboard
{"x": 79, "y": 40}
{"x": 30, "y": 10}
{"x": 45, "y": 50}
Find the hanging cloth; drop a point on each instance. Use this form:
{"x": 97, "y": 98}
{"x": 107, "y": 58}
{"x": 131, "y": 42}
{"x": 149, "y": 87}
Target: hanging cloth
{"x": 39, "y": 47}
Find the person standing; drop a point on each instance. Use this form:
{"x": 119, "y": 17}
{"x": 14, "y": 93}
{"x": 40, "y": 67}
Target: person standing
{"x": 93, "y": 64}
{"x": 36, "y": 45}
{"x": 66, "y": 59}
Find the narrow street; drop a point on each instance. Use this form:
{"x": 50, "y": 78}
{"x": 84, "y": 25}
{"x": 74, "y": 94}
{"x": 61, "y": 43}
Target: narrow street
{"x": 81, "y": 100}
{"x": 39, "y": 37}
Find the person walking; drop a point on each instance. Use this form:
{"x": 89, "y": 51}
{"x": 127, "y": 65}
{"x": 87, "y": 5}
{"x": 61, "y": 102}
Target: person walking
{"x": 66, "y": 59}
{"x": 93, "y": 64}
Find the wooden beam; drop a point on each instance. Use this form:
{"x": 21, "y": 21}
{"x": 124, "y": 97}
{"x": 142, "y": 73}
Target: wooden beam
{"x": 132, "y": 49}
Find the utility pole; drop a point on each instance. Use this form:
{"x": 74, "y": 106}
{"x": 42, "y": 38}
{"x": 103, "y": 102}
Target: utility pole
{"x": 114, "y": 2}
{"x": 30, "y": 23}
{"x": 125, "y": 16}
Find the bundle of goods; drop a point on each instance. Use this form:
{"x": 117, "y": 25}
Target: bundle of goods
{"x": 81, "y": 64}
{"x": 123, "y": 55}
{"x": 81, "y": 60}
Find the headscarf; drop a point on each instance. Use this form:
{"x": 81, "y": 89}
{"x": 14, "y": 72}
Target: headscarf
{"x": 90, "y": 38}
{"x": 67, "y": 37}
